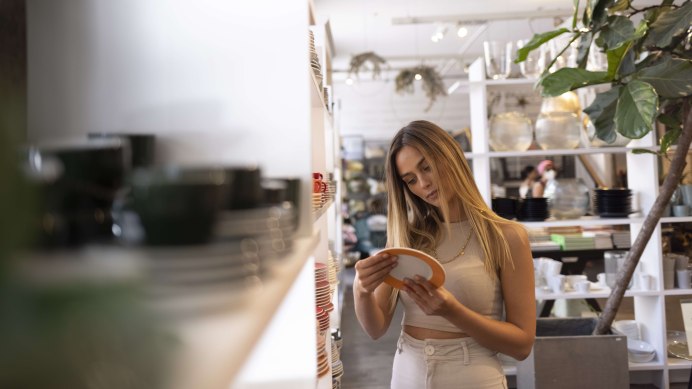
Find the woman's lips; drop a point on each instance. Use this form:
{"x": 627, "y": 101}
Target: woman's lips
{"x": 432, "y": 196}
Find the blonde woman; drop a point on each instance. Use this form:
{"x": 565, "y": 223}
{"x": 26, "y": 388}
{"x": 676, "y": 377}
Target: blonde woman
{"x": 450, "y": 335}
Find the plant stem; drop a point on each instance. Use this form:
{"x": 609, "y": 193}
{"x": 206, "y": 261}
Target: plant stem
{"x": 574, "y": 38}
{"x": 669, "y": 184}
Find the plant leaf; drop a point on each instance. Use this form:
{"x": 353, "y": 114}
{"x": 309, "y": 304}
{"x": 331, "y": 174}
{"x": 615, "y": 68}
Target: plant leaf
{"x": 615, "y": 57}
{"x": 618, "y": 31}
{"x": 619, "y": 6}
{"x": 588, "y": 12}
{"x": 668, "y": 25}
{"x": 602, "y": 113}
{"x": 669, "y": 138}
{"x": 671, "y": 78}
{"x": 636, "y": 109}
{"x": 583, "y": 51}
{"x": 574, "y": 16}
{"x": 644, "y": 151}
{"x": 567, "y": 79}
{"x": 600, "y": 15}
{"x": 669, "y": 121}
{"x": 627, "y": 64}
{"x": 537, "y": 41}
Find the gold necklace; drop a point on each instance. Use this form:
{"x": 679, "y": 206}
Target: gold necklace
{"x": 458, "y": 254}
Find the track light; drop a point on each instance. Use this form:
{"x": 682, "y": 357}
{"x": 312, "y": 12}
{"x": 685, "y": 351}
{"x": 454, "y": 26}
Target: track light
{"x": 462, "y": 31}
{"x": 439, "y": 33}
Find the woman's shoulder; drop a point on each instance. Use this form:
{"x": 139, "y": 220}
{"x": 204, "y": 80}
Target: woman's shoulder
{"x": 514, "y": 233}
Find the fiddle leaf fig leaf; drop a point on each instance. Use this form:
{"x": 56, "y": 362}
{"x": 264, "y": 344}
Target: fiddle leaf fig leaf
{"x": 670, "y": 137}
{"x": 671, "y": 78}
{"x": 615, "y": 58}
{"x": 669, "y": 24}
{"x": 567, "y": 79}
{"x": 619, "y": 6}
{"x": 583, "y": 51}
{"x": 602, "y": 114}
{"x": 537, "y": 41}
{"x": 636, "y": 109}
{"x": 618, "y": 31}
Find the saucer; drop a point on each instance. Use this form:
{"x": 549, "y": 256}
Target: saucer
{"x": 411, "y": 263}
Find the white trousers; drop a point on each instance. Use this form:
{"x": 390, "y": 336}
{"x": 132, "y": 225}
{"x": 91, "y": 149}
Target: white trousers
{"x": 445, "y": 364}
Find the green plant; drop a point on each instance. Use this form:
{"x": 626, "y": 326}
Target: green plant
{"x": 431, "y": 80}
{"x": 650, "y": 76}
{"x": 361, "y": 60}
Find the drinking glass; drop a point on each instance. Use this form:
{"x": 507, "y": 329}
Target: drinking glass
{"x": 535, "y": 62}
{"x": 498, "y": 59}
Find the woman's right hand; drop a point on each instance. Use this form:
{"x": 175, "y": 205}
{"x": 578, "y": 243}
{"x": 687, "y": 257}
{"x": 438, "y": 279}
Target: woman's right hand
{"x": 370, "y": 272}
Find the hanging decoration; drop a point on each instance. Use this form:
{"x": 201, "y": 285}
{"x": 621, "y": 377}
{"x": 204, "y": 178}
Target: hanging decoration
{"x": 430, "y": 78}
{"x": 360, "y": 62}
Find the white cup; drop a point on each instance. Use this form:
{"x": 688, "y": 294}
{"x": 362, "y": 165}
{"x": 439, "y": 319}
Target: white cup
{"x": 646, "y": 281}
{"x": 553, "y": 268}
{"x": 557, "y": 283}
{"x": 601, "y": 277}
{"x": 683, "y": 278}
{"x": 582, "y": 286}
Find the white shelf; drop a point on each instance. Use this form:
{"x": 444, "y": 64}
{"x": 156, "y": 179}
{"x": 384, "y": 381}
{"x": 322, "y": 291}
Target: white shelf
{"x": 583, "y": 221}
{"x": 653, "y": 365}
{"x": 214, "y": 348}
{"x": 541, "y": 153}
{"x": 677, "y": 292}
{"x": 603, "y": 293}
{"x": 322, "y": 210}
{"x": 672, "y": 219}
{"x": 678, "y": 364}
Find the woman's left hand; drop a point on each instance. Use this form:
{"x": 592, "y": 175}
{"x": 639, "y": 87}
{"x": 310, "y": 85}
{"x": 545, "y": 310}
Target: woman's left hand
{"x": 431, "y": 300}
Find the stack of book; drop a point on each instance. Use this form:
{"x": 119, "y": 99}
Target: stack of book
{"x": 622, "y": 239}
{"x": 573, "y": 241}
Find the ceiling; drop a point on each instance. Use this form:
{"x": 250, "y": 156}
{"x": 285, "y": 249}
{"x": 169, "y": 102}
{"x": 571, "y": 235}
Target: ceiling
{"x": 372, "y": 25}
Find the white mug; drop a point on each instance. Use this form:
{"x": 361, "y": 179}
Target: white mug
{"x": 557, "y": 283}
{"x": 601, "y": 277}
{"x": 646, "y": 281}
{"x": 582, "y": 286}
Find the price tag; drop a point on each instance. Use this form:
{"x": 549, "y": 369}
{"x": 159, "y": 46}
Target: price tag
{"x": 686, "y": 306}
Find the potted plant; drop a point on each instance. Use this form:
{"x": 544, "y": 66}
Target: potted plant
{"x": 650, "y": 77}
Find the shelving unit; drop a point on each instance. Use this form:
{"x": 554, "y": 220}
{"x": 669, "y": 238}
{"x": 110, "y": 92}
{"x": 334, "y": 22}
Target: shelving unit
{"x": 649, "y": 306}
{"x": 224, "y": 90}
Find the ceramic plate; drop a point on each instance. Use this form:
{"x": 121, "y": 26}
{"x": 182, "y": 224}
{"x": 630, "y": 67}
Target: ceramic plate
{"x": 411, "y": 263}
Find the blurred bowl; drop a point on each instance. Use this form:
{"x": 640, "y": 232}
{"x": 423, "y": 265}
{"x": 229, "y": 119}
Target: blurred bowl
{"x": 510, "y": 131}
{"x": 142, "y": 146}
{"x": 178, "y": 206}
{"x": 558, "y": 130}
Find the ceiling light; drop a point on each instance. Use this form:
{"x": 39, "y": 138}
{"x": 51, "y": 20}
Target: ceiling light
{"x": 349, "y": 81}
{"x": 439, "y": 33}
{"x": 418, "y": 77}
{"x": 462, "y": 32}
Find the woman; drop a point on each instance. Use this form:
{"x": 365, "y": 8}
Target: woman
{"x": 528, "y": 178}
{"x": 451, "y": 335}
{"x": 547, "y": 173}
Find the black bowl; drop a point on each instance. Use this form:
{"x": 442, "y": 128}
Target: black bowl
{"x": 142, "y": 147}
{"x": 178, "y": 206}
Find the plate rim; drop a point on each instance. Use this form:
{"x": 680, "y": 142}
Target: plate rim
{"x": 438, "y": 272}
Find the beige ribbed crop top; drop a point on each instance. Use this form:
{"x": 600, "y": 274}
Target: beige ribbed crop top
{"x": 466, "y": 279}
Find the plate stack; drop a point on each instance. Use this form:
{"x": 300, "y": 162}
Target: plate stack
{"x": 612, "y": 202}
{"x": 323, "y": 294}
{"x": 506, "y": 207}
{"x": 314, "y": 61}
{"x": 622, "y": 239}
{"x": 322, "y": 357}
{"x": 337, "y": 365}
{"x": 265, "y": 232}
{"x": 201, "y": 278}
{"x": 639, "y": 351}
{"x": 533, "y": 209}
{"x": 322, "y": 319}
{"x": 332, "y": 271}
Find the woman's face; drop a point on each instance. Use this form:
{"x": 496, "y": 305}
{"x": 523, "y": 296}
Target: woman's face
{"x": 417, "y": 175}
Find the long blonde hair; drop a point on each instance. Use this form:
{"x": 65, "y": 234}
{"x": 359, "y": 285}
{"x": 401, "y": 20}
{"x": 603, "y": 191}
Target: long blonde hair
{"x": 414, "y": 223}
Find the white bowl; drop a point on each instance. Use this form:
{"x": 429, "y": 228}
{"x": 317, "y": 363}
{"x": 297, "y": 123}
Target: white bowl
{"x": 639, "y": 347}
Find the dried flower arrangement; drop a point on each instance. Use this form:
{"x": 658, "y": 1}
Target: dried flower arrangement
{"x": 431, "y": 79}
{"x": 359, "y": 61}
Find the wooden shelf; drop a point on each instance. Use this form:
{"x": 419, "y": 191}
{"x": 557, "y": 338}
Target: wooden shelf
{"x": 583, "y": 221}
{"x": 213, "y": 348}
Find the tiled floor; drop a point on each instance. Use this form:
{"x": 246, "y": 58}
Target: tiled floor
{"x": 367, "y": 362}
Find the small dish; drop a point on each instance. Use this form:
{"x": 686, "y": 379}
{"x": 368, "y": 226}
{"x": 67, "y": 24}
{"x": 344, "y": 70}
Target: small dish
{"x": 411, "y": 263}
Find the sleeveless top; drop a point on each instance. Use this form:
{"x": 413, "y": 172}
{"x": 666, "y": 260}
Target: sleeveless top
{"x": 466, "y": 279}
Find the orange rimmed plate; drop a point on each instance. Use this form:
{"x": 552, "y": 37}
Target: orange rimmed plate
{"x": 411, "y": 263}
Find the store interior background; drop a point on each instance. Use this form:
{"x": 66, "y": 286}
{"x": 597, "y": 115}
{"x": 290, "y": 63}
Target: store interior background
{"x": 208, "y": 98}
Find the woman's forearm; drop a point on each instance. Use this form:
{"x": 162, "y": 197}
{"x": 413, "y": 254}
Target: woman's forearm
{"x": 372, "y": 309}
